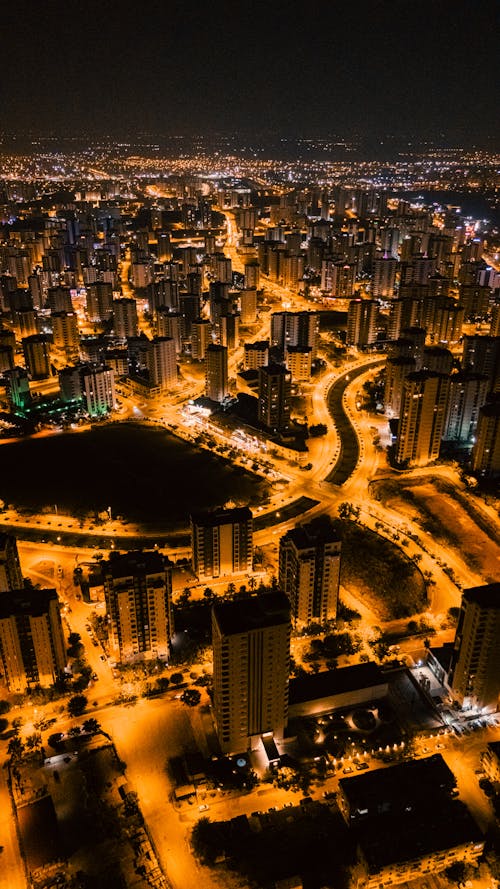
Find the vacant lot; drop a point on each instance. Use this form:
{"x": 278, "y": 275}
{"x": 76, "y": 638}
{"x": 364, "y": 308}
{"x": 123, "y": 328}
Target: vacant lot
{"x": 450, "y": 516}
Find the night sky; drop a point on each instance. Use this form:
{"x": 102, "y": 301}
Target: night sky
{"x": 318, "y": 67}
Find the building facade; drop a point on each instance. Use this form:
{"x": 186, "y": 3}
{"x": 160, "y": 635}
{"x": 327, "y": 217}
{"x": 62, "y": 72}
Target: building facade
{"x": 32, "y": 648}
{"x": 138, "y": 595}
{"x": 474, "y": 676}
{"x": 251, "y": 653}
{"x": 309, "y": 572}
{"x": 222, "y": 542}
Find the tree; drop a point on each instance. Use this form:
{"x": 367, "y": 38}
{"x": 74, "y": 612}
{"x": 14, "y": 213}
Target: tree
{"x": 230, "y": 589}
{"x": 15, "y": 749}
{"x": 348, "y": 511}
{"x": 77, "y": 705}
{"x": 208, "y": 593}
{"x": 34, "y": 741}
{"x": 91, "y": 726}
{"x": 185, "y": 596}
{"x": 191, "y": 697}
{"x": 177, "y": 678}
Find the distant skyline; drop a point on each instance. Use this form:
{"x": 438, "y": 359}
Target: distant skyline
{"x": 372, "y": 67}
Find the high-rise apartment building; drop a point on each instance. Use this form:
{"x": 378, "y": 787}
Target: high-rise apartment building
{"x": 251, "y": 653}
{"x": 396, "y": 371}
{"x": 65, "y": 334}
{"x": 36, "y": 351}
{"x": 384, "y": 277}
{"x": 362, "y": 322}
{"x": 99, "y": 301}
{"x": 216, "y": 376}
{"x": 201, "y": 337}
{"x": 162, "y": 363}
{"x": 275, "y": 388}
{"x": 299, "y": 362}
{"x": 295, "y": 329}
{"x": 474, "y": 675}
{"x": 467, "y": 395}
{"x": 169, "y": 323}
{"x": 98, "y": 389}
{"x": 32, "y": 649}
{"x": 486, "y": 451}
{"x": 18, "y": 388}
{"x": 423, "y": 414}
{"x": 11, "y": 577}
{"x": 248, "y": 305}
{"x": 222, "y": 542}
{"x": 256, "y": 354}
{"x": 309, "y": 571}
{"x": 125, "y": 321}
{"x": 138, "y": 594}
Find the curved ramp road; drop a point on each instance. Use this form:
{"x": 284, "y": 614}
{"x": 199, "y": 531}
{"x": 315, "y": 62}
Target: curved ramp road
{"x": 348, "y": 437}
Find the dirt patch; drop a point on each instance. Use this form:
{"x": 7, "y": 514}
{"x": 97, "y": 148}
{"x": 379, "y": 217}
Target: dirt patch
{"x": 450, "y": 517}
{"x": 378, "y": 573}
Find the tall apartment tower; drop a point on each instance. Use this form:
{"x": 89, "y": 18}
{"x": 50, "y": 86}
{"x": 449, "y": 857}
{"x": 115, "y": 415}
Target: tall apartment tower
{"x": 396, "y": 372}
{"x": 275, "y": 389}
{"x": 309, "y": 571}
{"x": 295, "y": 329}
{"x": 98, "y": 388}
{"x": 486, "y": 451}
{"x": 384, "y": 277}
{"x": 138, "y": 594}
{"x": 216, "y": 376}
{"x": 200, "y": 338}
{"x": 36, "y": 350}
{"x": 256, "y": 354}
{"x": 162, "y": 362}
{"x": 65, "y": 334}
{"x": 467, "y": 395}
{"x": 32, "y": 648}
{"x": 474, "y": 675}
{"x": 99, "y": 301}
{"x": 125, "y": 321}
{"x": 251, "y": 653}
{"x": 222, "y": 542}
{"x": 11, "y": 577}
{"x": 423, "y": 414}
{"x": 362, "y": 322}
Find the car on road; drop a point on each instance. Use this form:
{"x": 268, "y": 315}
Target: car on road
{"x": 347, "y": 770}
{"x": 361, "y": 766}
{"x": 203, "y": 807}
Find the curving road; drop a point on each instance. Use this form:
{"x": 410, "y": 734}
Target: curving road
{"x": 348, "y": 438}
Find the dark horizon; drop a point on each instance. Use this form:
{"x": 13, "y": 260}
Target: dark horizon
{"x": 376, "y": 68}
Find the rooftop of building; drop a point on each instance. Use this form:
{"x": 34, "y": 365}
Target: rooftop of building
{"x": 405, "y": 838}
{"x": 274, "y": 370}
{"x": 212, "y": 517}
{"x": 327, "y": 683}
{"x": 255, "y": 613}
{"x": 26, "y": 601}
{"x": 134, "y": 562}
{"x": 258, "y": 346}
{"x": 413, "y": 786}
{"x": 443, "y": 654}
{"x": 486, "y": 596}
{"x": 312, "y": 534}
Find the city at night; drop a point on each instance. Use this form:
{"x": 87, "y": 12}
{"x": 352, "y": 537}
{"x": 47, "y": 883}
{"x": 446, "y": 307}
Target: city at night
{"x": 250, "y": 445}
